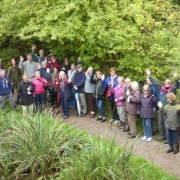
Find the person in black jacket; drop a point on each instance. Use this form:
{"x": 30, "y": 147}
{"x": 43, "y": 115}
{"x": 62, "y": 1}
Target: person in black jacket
{"x": 100, "y": 96}
{"x": 25, "y": 91}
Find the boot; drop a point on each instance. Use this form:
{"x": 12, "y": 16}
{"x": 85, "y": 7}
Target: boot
{"x": 122, "y": 126}
{"x": 176, "y": 149}
{"x": 171, "y": 149}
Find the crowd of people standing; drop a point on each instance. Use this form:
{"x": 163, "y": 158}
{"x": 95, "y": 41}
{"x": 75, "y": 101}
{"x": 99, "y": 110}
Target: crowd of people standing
{"x": 71, "y": 87}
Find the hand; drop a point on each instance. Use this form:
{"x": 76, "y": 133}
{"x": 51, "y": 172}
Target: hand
{"x": 160, "y": 104}
{"x": 48, "y": 70}
{"x": 21, "y": 58}
{"x": 38, "y": 65}
{"x": 33, "y": 47}
{"x": 30, "y": 77}
{"x": 63, "y": 68}
{"x": 148, "y": 72}
{"x": 116, "y": 100}
{"x": 175, "y": 73}
{"x": 28, "y": 89}
{"x": 102, "y": 77}
{"x": 128, "y": 92}
{"x": 69, "y": 80}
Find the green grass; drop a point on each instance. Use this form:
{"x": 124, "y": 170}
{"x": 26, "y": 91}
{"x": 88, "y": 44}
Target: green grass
{"x": 42, "y": 147}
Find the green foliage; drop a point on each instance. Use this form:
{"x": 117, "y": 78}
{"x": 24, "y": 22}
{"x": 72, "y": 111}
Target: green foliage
{"x": 131, "y": 35}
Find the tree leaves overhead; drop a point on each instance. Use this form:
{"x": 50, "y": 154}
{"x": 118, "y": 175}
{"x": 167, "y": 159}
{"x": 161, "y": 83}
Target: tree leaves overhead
{"x": 128, "y": 34}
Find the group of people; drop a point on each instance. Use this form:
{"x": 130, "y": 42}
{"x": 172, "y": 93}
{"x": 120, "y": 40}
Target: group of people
{"x": 72, "y": 87}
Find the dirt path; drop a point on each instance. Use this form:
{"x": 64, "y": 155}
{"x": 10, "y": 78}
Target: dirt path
{"x": 153, "y": 151}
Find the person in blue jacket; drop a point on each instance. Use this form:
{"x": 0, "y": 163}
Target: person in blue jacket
{"x": 111, "y": 81}
{"x": 6, "y": 91}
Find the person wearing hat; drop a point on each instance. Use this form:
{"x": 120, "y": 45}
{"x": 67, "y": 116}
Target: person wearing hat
{"x": 29, "y": 66}
{"x": 53, "y": 62}
{"x": 78, "y": 83}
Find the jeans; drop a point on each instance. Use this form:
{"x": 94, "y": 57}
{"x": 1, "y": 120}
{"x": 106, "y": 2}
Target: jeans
{"x": 172, "y": 136}
{"x": 147, "y": 127}
{"x": 65, "y": 104}
{"x": 38, "y": 101}
{"x": 100, "y": 104}
{"x": 73, "y": 100}
{"x": 115, "y": 115}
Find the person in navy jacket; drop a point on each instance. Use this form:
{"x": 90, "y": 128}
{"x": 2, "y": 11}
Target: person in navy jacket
{"x": 6, "y": 91}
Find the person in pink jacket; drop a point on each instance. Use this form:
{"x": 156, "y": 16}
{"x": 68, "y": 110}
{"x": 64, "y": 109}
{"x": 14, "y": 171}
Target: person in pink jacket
{"x": 39, "y": 84}
{"x": 118, "y": 92}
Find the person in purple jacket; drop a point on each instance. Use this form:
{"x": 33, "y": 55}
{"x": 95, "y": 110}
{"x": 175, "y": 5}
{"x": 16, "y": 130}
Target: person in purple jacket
{"x": 147, "y": 113}
{"x": 118, "y": 92}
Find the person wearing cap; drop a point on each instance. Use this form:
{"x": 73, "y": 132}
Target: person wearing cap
{"x": 6, "y": 90}
{"x": 53, "y": 62}
{"x": 78, "y": 83}
{"x": 29, "y": 66}
{"x": 38, "y": 59}
{"x": 1, "y": 66}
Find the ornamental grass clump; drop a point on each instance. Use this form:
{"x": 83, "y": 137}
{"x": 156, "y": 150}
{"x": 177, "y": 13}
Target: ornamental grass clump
{"x": 35, "y": 146}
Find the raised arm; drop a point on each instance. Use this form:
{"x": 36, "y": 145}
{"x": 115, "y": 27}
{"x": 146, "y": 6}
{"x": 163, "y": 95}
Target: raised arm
{"x": 35, "y": 57}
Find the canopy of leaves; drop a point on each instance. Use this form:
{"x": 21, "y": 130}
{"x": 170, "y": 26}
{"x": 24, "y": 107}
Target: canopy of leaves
{"x": 128, "y": 34}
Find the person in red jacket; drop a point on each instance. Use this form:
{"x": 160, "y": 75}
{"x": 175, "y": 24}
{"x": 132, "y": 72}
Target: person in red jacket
{"x": 53, "y": 62}
{"x": 39, "y": 84}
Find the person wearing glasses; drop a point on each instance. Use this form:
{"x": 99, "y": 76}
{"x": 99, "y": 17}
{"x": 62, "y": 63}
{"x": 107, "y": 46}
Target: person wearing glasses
{"x": 146, "y": 111}
{"x": 162, "y": 91}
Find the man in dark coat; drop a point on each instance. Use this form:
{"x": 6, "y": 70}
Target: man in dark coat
{"x": 25, "y": 91}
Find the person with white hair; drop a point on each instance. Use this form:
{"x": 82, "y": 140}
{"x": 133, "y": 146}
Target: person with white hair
{"x": 6, "y": 91}
{"x": 133, "y": 99}
{"x": 39, "y": 84}
{"x": 25, "y": 91}
{"x": 65, "y": 93}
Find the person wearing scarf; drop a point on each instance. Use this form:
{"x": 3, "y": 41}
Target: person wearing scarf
{"x": 162, "y": 91}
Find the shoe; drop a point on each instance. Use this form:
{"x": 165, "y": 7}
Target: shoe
{"x": 65, "y": 117}
{"x": 149, "y": 139}
{"x": 144, "y": 138}
{"x": 84, "y": 114}
{"x": 116, "y": 121}
{"x": 91, "y": 116}
{"x": 165, "y": 142}
{"x": 43, "y": 106}
{"x": 130, "y": 137}
{"x": 73, "y": 108}
{"x": 161, "y": 138}
{"x": 129, "y": 133}
{"x": 103, "y": 120}
{"x": 171, "y": 149}
{"x": 122, "y": 126}
{"x": 111, "y": 120}
{"x": 176, "y": 149}
{"x": 99, "y": 118}
{"x": 126, "y": 130}
{"x": 18, "y": 103}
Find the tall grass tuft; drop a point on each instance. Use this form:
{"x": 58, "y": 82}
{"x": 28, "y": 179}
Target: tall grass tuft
{"x": 35, "y": 145}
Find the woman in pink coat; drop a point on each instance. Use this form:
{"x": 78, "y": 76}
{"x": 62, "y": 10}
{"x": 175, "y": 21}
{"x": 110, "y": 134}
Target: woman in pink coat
{"x": 118, "y": 92}
{"x": 39, "y": 84}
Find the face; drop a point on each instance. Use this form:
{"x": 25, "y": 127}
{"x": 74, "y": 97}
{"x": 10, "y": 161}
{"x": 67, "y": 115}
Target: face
{"x": 167, "y": 83}
{"x": 66, "y": 61}
{"x": 2, "y": 74}
{"x": 148, "y": 82}
{"x": 62, "y": 75}
{"x": 112, "y": 73}
{"x": 52, "y": 58}
{"x": 13, "y": 61}
{"x": 120, "y": 81}
{"x": 73, "y": 66}
{"x": 146, "y": 91}
{"x": 128, "y": 83}
{"x": 41, "y": 53}
{"x": 25, "y": 78}
{"x": 99, "y": 75}
{"x": 44, "y": 65}
{"x": 29, "y": 57}
{"x": 55, "y": 70}
{"x": 80, "y": 69}
{"x": 90, "y": 70}
{"x": 38, "y": 75}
